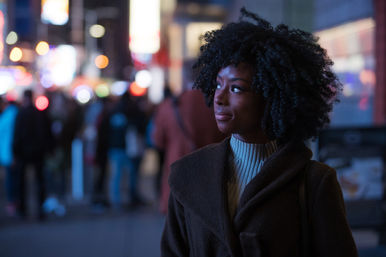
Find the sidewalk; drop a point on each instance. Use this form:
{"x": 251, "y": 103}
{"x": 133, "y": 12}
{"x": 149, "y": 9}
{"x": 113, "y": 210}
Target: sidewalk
{"x": 82, "y": 233}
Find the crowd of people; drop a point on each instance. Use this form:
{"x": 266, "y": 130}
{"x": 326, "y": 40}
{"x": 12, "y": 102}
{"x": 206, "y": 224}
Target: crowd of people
{"x": 33, "y": 139}
{"x": 115, "y": 133}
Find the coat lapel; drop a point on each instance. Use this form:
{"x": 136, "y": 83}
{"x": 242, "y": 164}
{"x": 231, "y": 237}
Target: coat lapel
{"x": 272, "y": 176}
{"x": 198, "y": 181}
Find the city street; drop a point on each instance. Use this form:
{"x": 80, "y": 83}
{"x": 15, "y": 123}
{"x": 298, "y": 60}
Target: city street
{"x": 88, "y": 231}
{"x": 84, "y": 233}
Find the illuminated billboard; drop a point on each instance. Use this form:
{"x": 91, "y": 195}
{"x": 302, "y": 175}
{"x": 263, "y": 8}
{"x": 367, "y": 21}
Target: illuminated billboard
{"x": 144, "y": 26}
{"x": 55, "y": 11}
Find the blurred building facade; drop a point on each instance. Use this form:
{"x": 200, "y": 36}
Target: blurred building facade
{"x": 351, "y": 31}
{"x": 353, "y": 34}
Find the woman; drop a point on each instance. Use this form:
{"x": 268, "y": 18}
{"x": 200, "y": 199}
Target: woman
{"x": 272, "y": 89}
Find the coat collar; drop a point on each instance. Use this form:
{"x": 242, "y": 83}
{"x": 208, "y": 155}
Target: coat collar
{"x": 198, "y": 181}
{"x": 279, "y": 169}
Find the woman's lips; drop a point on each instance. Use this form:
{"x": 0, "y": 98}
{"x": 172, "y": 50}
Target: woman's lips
{"x": 222, "y": 116}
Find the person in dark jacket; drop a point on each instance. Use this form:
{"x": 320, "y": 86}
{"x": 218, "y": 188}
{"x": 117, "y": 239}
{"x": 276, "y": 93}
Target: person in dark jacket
{"x": 31, "y": 142}
{"x": 258, "y": 193}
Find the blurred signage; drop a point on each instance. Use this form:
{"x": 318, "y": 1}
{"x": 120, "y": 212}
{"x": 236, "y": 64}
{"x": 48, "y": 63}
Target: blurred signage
{"x": 193, "y": 32}
{"x": 360, "y": 178}
{"x": 2, "y": 30}
{"x": 358, "y": 156}
{"x": 55, "y": 11}
{"x": 144, "y": 26}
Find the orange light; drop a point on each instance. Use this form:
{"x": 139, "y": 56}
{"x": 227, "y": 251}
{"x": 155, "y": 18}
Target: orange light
{"x": 136, "y": 90}
{"x": 367, "y": 77}
{"x": 42, "y": 48}
{"x": 41, "y": 103}
{"x": 101, "y": 61}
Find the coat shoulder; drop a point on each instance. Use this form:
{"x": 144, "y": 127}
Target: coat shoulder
{"x": 196, "y": 164}
{"x": 198, "y": 155}
{"x": 318, "y": 170}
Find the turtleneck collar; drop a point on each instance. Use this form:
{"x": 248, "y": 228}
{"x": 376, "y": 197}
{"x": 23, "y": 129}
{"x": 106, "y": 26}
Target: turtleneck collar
{"x": 248, "y": 151}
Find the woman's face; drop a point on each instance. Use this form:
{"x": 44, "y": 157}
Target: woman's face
{"x": 238, "y": 109}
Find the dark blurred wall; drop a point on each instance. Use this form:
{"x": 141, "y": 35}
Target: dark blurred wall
{"x": 23, "y": 18}
{"x": 294, "y": 13}
{"x": 329, "y": 13}
{"x": 113, "y": 15}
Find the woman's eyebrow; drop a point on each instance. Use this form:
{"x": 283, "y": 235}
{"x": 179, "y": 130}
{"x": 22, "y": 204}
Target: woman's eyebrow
{"x": 235, "y": 79}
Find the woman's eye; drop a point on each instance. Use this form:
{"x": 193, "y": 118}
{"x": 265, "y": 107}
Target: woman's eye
{"x": 236, "y": 89}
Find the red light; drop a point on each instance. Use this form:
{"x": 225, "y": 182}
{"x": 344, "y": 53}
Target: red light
{"x": 11, "y": 95}
{"x": 136, "y": 90}
{"x": 41, "y": 103}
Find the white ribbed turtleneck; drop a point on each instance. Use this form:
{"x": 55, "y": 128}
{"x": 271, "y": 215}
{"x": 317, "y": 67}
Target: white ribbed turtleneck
{"x": 245, "y": 162}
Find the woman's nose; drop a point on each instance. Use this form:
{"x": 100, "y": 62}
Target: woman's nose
{"x": 220, "y": 96}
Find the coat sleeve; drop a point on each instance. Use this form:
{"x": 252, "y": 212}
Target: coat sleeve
{"x": 331, "y": 233}
{"x": 174, "y": 237}
{"x": 159, "y": 134}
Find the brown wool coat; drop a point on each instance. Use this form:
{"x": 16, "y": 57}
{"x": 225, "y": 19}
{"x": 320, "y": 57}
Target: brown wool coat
{"x": 267, "y": 221}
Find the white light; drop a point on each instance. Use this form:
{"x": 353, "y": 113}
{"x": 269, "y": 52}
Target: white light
{"x": 157, "y": 87}
{"x": 7, "y": 82}
{"x": 46, "y": 81}
{"x": 97, "y": 31}
{"x": 355, "y": 63}
{"x": 144, "y": 26}
{"x": 83, "y": 94}
{"x": 55, "y": 11}
{"x": 143, "y": 78}
{"x": 119, "y": 87}
{"x": 59, "y": 65}
{"x": 11, "y": 38}
{"x": 347, "y": 90}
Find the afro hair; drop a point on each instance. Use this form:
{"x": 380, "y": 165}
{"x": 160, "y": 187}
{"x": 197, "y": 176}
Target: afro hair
{"x": 290, "y": 70}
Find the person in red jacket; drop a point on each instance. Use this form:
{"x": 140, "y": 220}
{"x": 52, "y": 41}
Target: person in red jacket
{"x": 258, "y": 193}
{"x": 181, "y": 125}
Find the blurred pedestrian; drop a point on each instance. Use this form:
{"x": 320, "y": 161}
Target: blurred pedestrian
{"x": 30, "y": 143}
{"x": 258, "y": 193}
{"x": 101, "y": 154}
{"x": 7, "y": 123}
{"x": 181, "y": 125}
{"x": 124, "y": 132}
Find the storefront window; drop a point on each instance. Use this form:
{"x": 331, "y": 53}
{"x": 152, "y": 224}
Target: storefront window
{"x": 351, "y": 47}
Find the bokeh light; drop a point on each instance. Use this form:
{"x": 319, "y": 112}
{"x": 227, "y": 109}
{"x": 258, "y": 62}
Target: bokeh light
{"x": 55, "y": 11}
{"x": 16, "y": 54}
{"x": 101, "y": 61}
{"x": 42, "y": 103}
{"x": 119, "y": 87}
{"x": 102, "y": 90}
{"x": 143, "y": 78}
{"x": 42, "y": 48}
{"x": 7, "y": 81}
{"x": 46, "y": 80}
{"x": 136, "y": 90}
{"x": 11, "y": 38}
{"x": 83, "y": 94}
{"x": 97, "y": 31}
